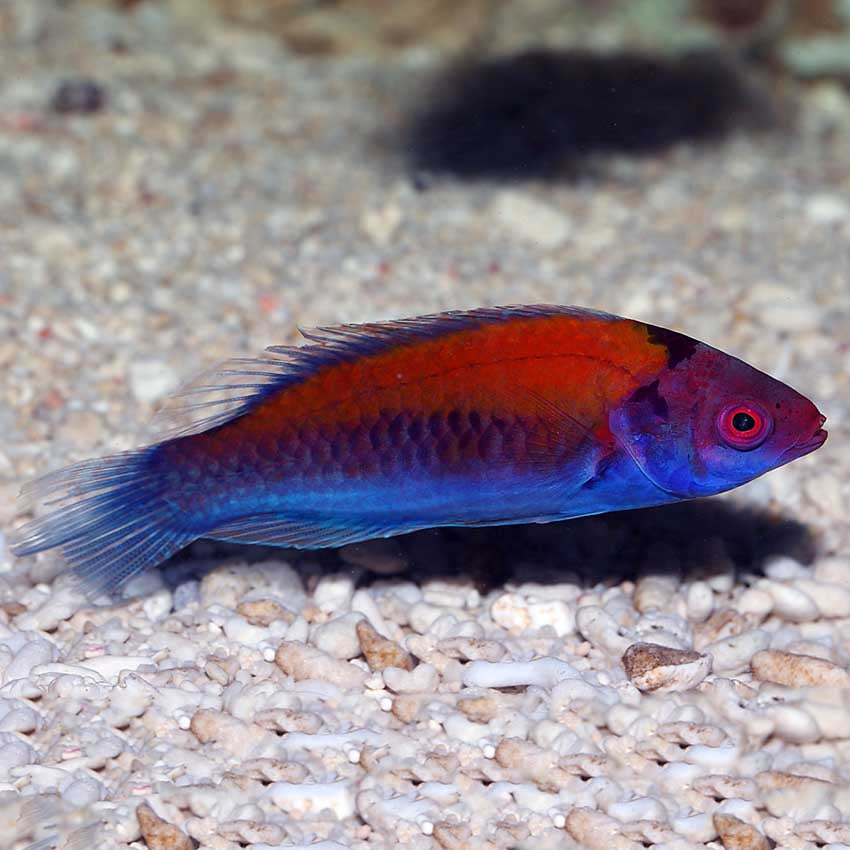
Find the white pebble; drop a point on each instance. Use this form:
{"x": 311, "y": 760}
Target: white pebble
{"x": 599, "y": 627}
{"x": 363, "y": 603}
{"x": 424, "y": 678}
{"x": 338, "y": 637}
{"x": 732, "y": 654}
{"x": 699, "y": 601}
{"x": 306, "y": 800}
{"x": 793, "y": 723}
{"x": 517, "y": 614}
{"x": 151, "y": 380}
{"x": 826, "y": 208}
{"x": 790, "y": 602}
{"x": 833, "y": 569}
{"x": 83, "y": 792}
{"x": 33, "y": 654}
{"x": 825, "y": 491}
{"x": 530, "y": 219}
{"x": 714, "y": 758}
{"x": 333, "y": 592}
{"x": 754, "y": 601}
{"x": 545, "y": 672}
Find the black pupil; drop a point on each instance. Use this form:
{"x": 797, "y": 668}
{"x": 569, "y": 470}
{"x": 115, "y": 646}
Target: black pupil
{"x": 743, "y": 421}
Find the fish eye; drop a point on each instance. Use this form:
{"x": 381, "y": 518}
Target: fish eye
{"x": 744, "y": 426}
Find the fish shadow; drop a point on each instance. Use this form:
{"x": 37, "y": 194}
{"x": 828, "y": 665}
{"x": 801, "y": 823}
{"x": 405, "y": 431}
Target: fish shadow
{"x": 697, "y": 539}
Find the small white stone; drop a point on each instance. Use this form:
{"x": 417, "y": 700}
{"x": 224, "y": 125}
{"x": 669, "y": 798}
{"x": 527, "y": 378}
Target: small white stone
{"x": 754, "y": 601}
{"x": 545, "y": 672}
{"x": 600, "y": 628}
{"x": 422, "y": 616}
{"x": 699, "y": 601}
{"x": 834, "y": 568}
{"x": 83, "y": 792}
{"x": 831, "y": 598}
{"x": 338, "y": 637}
{"x": 333, "y": 593}
{"x": 782, "y": 568}
{"x": 790, "y": 602}
{"x": 794, "y": 316}
{"x": 733, "y": 654}
{"x": 793, "y": 723}
{"x": 381, "y": 223}
{"x": 825, "y": 491}
{"x": 826, "y": 209}
{"x": 151, "y": 380}
{"x": 530, "y": 219}
{"x": 517, "y": 614}
{"x": 422, "y": 679}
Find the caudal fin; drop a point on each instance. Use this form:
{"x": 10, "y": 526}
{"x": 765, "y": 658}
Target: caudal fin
{"x": 108, "y": 516}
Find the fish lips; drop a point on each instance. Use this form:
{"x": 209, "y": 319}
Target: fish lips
{"x": 808, "y": 445}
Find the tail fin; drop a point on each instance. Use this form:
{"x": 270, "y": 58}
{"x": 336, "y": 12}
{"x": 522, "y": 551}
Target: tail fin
{"x": 109, "y": 516}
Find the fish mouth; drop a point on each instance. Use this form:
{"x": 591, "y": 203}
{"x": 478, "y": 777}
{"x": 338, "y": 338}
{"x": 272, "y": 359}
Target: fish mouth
{"x": 809, "y": 445}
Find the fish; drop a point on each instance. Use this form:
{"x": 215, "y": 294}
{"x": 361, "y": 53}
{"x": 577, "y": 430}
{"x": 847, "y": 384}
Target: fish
{"x": 491, "y": 416}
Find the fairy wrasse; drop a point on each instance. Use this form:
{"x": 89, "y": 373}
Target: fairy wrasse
{"x": 493, "y": 416}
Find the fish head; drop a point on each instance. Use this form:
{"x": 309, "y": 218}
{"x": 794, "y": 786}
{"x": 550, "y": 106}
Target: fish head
{"x": 712, "y": 422}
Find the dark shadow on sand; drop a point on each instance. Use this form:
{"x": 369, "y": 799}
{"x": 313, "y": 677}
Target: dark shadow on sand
{"x": 694, "y": 539}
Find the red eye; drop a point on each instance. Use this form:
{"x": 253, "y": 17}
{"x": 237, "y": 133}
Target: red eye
{"x": 743, "y": 426}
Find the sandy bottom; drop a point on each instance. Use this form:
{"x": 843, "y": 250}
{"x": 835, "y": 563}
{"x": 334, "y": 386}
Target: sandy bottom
{"x": 674, "y": 678}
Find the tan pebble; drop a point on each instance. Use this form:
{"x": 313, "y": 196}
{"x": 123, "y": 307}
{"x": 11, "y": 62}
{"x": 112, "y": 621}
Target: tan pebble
{"x": 306, "y": 662}
{"x": 792, "y": 670}
{"x": 770, "y": 780}
{"x": 205, "y": 725}
{"x": 512, "y": 752}
{"x": 736, "y": 834}
{"x": 13, "y": 608}
{"x": 726, "y": 787}
{"x": 472, "y": 649}
{"x": 314, "y": 614}
{"x": 263, "y": 612}
{"x": 380, "y": 652}
{"x": 159, "y": 834}
{"x": 596, "y": 831}
{"x": 585, "y": 764}
{"x": 406, "y": 707}
{"x": 288, "y": 720}
{"x": 723, "y": 623}
{"x": 452, "y": 836}
{"x": 252, "y": 832}
{"x": 825, "y": 832}
{"x": 274, "y": 770}
{"x": 481, "y": 709}
{"x": 653, "y": 667}
{"x": 683, "y": 732}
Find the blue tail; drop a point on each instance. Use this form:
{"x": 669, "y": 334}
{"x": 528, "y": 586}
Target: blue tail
{"x": 110, "y": 517}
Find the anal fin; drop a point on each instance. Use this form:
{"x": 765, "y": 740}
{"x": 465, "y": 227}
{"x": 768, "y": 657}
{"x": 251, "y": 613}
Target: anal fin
{"x": 304, "y": 532}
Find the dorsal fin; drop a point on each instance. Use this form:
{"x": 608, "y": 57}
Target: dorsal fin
{"x": 238, "y": 386}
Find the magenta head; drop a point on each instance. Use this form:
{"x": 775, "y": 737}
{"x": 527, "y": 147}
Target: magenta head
{"x": 710, "y": 422}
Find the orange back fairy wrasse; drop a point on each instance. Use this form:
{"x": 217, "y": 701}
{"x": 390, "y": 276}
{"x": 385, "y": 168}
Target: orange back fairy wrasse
{"x": 487, "y": 417}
